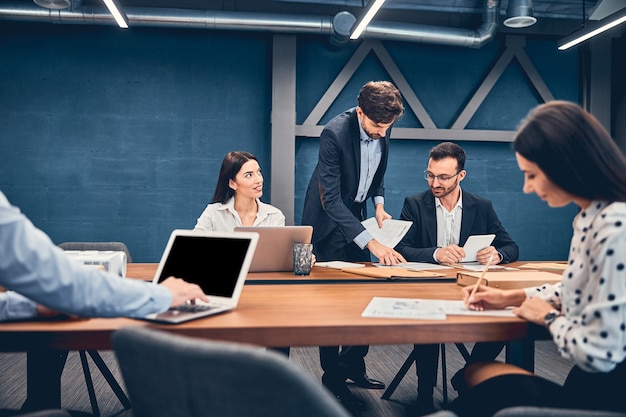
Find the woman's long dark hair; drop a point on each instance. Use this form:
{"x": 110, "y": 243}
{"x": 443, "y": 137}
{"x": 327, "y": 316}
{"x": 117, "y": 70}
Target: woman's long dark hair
{"x": 232, "y": 163}
{"x": 573, "y": 149}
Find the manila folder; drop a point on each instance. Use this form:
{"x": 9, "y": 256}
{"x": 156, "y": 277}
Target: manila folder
{"x": 508, "y": 279}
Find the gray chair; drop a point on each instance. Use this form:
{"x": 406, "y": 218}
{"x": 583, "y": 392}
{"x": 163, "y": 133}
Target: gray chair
{"x": 527, "y": 411}
{"x": 170, "y": 375}
{"x": 95, "y": 356}
{"x": 47, "y": 413}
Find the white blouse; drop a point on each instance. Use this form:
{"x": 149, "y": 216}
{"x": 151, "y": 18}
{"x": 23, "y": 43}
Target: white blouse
{"x": 220, "y": 217}
{"x": 592, "y": 294}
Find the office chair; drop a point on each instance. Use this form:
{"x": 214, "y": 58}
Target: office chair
{"x": 95, "y": 356}
{"x": 171, "y": 375}
{"x": 527, "y": 411}
{"x": 47, "y": 413}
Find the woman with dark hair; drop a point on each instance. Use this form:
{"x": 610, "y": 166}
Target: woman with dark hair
{"x": 567, "y": 156}
{"x": 237, "y": 197}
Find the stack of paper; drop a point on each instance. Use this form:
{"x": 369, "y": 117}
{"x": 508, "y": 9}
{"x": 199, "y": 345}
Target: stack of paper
{"x": 391, "y": 233}
{"x": 339, "y": 264}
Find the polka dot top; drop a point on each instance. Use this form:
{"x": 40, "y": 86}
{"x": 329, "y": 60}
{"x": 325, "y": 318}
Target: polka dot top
{"x": 592, "y": 294}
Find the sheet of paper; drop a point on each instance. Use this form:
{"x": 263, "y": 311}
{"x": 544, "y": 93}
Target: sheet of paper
{"x": 457, "y": 308}
{"x": 391, "y": 233}
{"x": 424, "y": 309}
{"x": 403, "y": 308}
{"x": 475, "y": 243}
{"x": 339, "y": 264}
{"x": 422, "y": 266}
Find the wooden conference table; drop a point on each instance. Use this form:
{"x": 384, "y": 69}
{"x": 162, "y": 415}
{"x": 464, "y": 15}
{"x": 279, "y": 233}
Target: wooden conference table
{"x": 280, "y": 309}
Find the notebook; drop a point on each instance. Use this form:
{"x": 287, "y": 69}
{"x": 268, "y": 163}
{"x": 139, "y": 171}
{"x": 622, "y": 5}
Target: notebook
{"x": 274, "y": 252}
{"x": 217, "y": 262}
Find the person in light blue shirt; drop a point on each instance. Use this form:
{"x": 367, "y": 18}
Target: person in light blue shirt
{"x": 350, "y": 170}
{"x": 41, "y": 280}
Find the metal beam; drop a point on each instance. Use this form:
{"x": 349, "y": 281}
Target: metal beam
{"x": 283, "y": 120}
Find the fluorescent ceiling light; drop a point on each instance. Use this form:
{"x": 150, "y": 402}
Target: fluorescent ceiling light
{"x": 593, "y": 29}
{"x": 117, "y": 12}
{"x": 366, "y": 18}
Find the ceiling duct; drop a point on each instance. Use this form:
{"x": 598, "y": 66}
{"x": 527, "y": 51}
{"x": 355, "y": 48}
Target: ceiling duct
{"x": 249, "y": 21}
{"x": 53, "y": 4}
{"x": 520, "y": 14}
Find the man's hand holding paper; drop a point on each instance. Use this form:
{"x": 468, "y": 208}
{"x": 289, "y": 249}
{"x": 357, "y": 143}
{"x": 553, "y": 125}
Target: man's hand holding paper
{"x": 390, "y": 234}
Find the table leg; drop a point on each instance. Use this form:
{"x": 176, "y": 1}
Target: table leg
{"x": 522, "y": 354}
{"x": 43, "y": 372}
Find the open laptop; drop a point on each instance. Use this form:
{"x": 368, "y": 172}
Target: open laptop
{"x": 217, "y": 262}
{"x": 274, "y": 252}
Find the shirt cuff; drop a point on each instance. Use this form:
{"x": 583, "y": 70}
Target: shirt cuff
{"x": 363, "y": 238}
{"x": 14, "y": 306}
{"x": 379, "y": 200}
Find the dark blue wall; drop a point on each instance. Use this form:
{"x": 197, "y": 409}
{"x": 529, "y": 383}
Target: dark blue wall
{"x": 118, "y": 135}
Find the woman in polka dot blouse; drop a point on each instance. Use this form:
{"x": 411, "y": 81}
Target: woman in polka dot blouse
{"x": 567, "y": 156}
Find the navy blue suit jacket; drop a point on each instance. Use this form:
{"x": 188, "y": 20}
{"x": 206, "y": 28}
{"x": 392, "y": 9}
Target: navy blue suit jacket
{"x": 335, "y": 180}
{"x": 479, "y": 218}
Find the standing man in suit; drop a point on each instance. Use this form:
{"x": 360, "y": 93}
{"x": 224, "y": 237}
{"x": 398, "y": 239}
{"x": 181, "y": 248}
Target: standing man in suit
{"x": 353, "y": 151}
{"x": 443, "y": 218}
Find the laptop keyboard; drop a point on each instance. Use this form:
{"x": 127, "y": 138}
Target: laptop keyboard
{"x": 192, "y": 308}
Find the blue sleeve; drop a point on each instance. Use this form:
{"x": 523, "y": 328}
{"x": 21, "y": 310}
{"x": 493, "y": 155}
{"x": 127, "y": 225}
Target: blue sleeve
{"x": 33, "y": 266}
{"x": 14, "y": 306}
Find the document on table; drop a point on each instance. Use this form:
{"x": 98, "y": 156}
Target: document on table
{"x": 339, "y": 264}
{"x": 423, "y": 309}
{"x": 416, "y": 266}
{"x": 391, "y": 233}
{"x": 404, "y": 308}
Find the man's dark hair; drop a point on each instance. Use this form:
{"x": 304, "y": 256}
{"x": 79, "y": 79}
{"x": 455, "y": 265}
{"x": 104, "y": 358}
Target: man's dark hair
{"x": 381, "y": 101}
{"x": 449, "y": 150}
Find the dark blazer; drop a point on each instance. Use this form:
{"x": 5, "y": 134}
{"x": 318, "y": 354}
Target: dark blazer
{"x": 333, "y": 185}
{"x": 479, "y": 218}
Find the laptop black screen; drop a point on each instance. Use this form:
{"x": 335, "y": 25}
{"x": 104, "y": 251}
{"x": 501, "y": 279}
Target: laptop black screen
{"x": 211, "y": 262}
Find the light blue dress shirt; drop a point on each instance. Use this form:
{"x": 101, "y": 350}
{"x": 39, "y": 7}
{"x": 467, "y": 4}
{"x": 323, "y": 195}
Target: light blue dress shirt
{"x": 371, "y": 154}
{"x": 31, "y": 265}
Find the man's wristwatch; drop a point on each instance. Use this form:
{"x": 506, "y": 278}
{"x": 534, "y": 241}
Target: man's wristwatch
{"x": 550, "y": 317}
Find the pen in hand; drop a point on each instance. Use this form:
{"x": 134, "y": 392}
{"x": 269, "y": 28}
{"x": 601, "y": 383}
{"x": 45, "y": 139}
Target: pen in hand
{"x": 480, "y": 280}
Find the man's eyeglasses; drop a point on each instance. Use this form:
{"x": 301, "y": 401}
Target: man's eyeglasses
{"x": 442, "y": 178}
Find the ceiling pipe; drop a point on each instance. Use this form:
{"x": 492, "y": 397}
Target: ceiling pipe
{"x": 249, "y": 21}
{"x": 439, "y": 34}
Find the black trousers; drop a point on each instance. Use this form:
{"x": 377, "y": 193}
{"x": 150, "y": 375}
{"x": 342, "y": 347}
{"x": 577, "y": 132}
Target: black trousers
{"x": 338, "y": 363}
